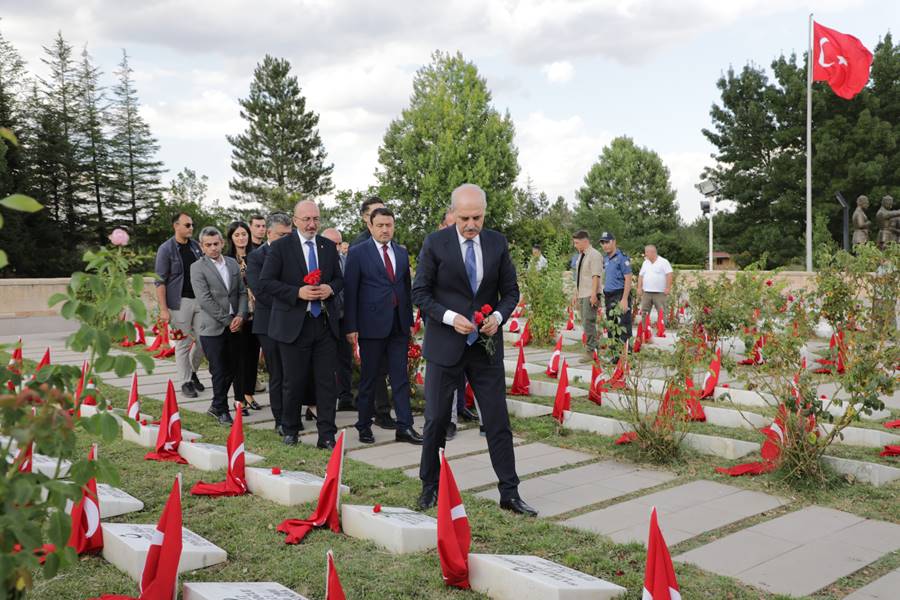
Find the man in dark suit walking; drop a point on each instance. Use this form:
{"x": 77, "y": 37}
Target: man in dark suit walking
{"x": 461, "y": 270}
{"x": 278, "y": 225}
{"x": 378, "y": 314}
{"x": 304, "y": 320}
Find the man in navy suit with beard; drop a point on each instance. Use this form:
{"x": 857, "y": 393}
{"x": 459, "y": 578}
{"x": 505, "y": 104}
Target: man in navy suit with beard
{"x": 461, "y": 269}
{"x": 378, "y": 314}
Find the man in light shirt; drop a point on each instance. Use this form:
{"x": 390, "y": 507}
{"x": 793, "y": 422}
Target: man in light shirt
{"x": 654, "y": 281}
{"x": 588, "y": 279}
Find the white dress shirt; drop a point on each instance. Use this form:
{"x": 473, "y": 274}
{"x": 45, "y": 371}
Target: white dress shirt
{"x": 222, "y": 268}
{"x": 391, "y": 255}
{"x": 449, "y": 315}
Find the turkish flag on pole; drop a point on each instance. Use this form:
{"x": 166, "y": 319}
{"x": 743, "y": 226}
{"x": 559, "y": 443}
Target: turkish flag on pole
{"x": 598, "y": 384}
{"x": 45, "y": 360}
{"x": 454, "y": 537}
{"x": 169, "y": 437}
{"x": 235, "y": 483}
{"x": 333, "y": 588}
{"x": 326, "y": 512}
{"x": 659, "y": 575}
{"x": 161, "y": 567}
{"x": 521, "y": 382}
{"x": 563, "y": 400}
{"x": 841, "y": 60}
{"x": 87, "y": 535}
{"x": 134, "y": 404}
{"x": 712, "y": 376}
{"x": 553, "y": 366}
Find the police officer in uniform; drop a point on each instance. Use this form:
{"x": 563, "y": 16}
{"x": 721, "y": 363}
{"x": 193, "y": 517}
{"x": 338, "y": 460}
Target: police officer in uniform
{"x": 617, "y": 284}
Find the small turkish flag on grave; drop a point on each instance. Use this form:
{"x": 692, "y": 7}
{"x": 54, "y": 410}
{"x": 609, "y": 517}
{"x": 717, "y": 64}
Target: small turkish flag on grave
{"x": 333, "y": 588}
{"x": 659, "y": 575}
{"x": 235, "y": 483}
{"x": 660, "y": 324}
{"x": 553, "y": 366}
{"x": 525, "y": 337}
{"x": 595, "y": 393}
{"x": 514, "y": 325}
{"x": 134, "y": 403}
{"x": 326, "y": 512}
{"x": 521, "y": 382}
{"x": 712, "y": 375}
{"x": 563, "y": 400}
{"x": 87, "y": 535}
{"x": 454, "y": 537}
{"x": 169, "y": 437}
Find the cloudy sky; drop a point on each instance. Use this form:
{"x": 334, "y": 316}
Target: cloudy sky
{"x": 573, "y": 73}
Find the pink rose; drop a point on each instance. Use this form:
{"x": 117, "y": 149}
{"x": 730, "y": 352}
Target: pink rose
{"x": 118, "y": 237}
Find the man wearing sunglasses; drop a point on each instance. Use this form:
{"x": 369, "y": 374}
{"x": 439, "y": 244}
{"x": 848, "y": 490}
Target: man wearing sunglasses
{"x": 177, "y": 305}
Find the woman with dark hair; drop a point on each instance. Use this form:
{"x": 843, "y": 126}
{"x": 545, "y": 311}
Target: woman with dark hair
{"x": 239, "y": 240}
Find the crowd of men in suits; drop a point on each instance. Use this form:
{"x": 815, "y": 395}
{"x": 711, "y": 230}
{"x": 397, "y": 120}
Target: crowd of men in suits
{"x": 313, "y": 304}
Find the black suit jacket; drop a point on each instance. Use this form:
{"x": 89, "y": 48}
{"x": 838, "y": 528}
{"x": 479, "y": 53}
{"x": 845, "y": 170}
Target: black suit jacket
{"x": 282, "y": 277}
{"x": 369, "y": 294}
{"x": 442, "y": 283}
{"x": 255, "y": 261}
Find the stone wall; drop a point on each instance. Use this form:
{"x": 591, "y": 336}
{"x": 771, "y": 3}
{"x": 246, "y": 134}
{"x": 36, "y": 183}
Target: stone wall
{"x": 28, "y": 297}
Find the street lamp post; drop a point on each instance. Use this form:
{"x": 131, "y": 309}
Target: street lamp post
{"x": 708, "y": 189}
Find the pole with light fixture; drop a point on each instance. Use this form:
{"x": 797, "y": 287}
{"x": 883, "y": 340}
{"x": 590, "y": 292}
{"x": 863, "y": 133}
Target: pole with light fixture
{"x": 708, "y": 189}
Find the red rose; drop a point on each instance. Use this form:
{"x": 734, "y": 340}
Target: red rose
{"x": 376, "y": 508}
{"x": 706, "y": 310}
{"x": 313, "y": 278}
{"x": 479, "y": 318}
{"x": 276, "y": 470}
{"x": 486, "y": 309}
{"x": 769, "y": 282}
{"x": 790, "y": 298}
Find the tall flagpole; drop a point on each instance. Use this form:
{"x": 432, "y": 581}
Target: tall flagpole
{"x": 809, "y": 217}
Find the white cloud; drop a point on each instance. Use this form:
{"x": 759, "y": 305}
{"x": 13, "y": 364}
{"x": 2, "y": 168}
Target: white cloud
{"x": 560, "y": 71}
{"x": 685, "y": 169}
{"x": 557, "y": 153}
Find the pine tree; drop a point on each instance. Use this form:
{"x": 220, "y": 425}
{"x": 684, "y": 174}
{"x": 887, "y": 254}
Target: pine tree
{"x": 59, "y": 122}
{"x": 95, "y": 143}
{"x": 13, "y": 86}
{"x": 280, "y": 157}
{"x": 449, "y": 135}
{"x": 133, "y": 152}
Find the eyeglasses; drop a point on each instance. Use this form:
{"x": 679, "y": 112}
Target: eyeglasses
{"x": 188, "y": 225}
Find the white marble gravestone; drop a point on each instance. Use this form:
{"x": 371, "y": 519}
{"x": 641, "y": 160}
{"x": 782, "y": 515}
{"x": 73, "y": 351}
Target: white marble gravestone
{"x": 257, "y": 590}
{"x": 287, "y": 487}
{"x": 509, "y": 577}
{"x": 211, "y": 457}
{"x": 125, "y": 545}
{"x": 46, "y": 465}
{"x": 113, "y": 502}
{"x": 146, "y": 434}
{"x": 398, "y": 530}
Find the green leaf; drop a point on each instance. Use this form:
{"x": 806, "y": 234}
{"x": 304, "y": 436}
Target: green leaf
{"x": 7, "y": 134}
{"x": 57, "y": 298}
{"x": 109, "y": 427}
{"x": 103, "y": 343}
{"x": 124, "y": 365}
{"x": 104, "y": 364}
{"x": 3, "y": 259}
{"x": 21, "y": 202}
{"x": 138, "y": 310}
{"x": 137, "y": 284}
{"x": 146, "y": 361}
{"x": 58, "y": 528}
{"x": 51, "y": 564}
{"x": 68, "y": 309}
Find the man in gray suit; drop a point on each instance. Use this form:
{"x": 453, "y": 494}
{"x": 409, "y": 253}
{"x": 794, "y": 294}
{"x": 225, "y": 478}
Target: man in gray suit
{"x": 222, "y": 297}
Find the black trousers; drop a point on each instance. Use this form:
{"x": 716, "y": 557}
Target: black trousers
{"x": 611, "y": 300}
{"x": 310, "y": 358}
{"x": 222, "y": 353}
{"x": 344, "y": 373}
{"x": 489, "y": 384}
{"x": 248, "y": 359}
{"x": 374, "y": 352}
{"x": 276, "y": 374}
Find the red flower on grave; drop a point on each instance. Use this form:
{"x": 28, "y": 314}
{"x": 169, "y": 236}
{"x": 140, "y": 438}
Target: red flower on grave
{"x": 313, "y": 278}
{"x": 376, "y": 508}
{"x": 276, "y": 470}
{"x": 769, "y": 282}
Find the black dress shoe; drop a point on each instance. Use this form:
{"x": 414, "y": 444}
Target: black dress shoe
{"x": 366, "y": 436}
{"x": 187, "y": 390}
{"x": 428, "y": 498}
{"x": 408, "y": 435}
{"x": 225, "y": 418}
{"x": 310, "y": 415}
{"x": 386, "y": 422}
{"x": 244, "y": 411}
{"x": 467, "y": 415}
{"x": 252, "y": 404}
{"x": 325, "y": 444}
{"x": 290, "y": 440}
{"x": 451, "y": 432}
{"x": 196, "y": 381}
{"x": 518, "y": 506}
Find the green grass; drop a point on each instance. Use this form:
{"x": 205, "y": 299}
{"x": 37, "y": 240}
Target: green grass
{"x": 245, "y": 526}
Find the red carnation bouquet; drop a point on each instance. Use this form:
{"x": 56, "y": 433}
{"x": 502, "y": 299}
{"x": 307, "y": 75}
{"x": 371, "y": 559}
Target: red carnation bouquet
{"x": 485, "y": 340}
{"x": 314, "y": 277}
